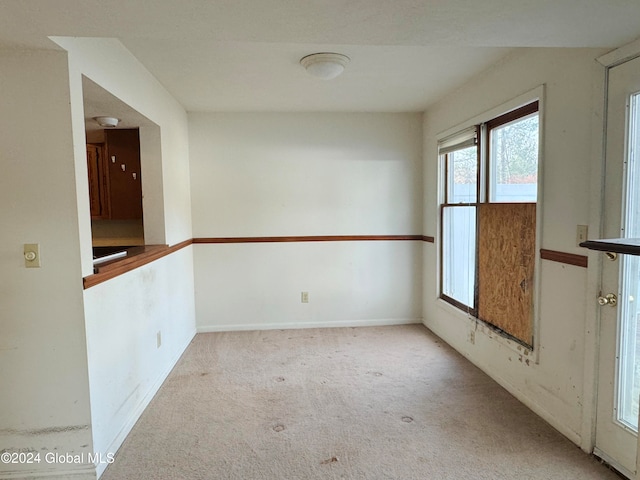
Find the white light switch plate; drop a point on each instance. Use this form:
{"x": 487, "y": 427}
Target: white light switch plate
{"x": 32, "y": 255}
{"x": 581, "y": 234}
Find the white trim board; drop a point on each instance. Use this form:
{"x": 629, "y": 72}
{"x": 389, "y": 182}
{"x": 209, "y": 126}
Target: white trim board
{"x": 620, "y": 55}
{"x": 295, "y": 326}
{"x": 519, "y": 101}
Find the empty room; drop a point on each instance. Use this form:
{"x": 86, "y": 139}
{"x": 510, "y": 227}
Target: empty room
{"x": 359, "y": 240}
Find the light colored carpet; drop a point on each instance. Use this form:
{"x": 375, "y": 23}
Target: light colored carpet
{"x": 344, "y": 403}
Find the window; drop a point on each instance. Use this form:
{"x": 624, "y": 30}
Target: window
{"x": 461, "y": 162}
{"x": 629, "y": 369}
{"x": 513, "y": 156}
{"x": 488, "y": 213}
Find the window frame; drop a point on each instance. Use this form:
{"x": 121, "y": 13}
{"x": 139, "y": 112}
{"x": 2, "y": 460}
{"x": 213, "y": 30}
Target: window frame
{"x": 522, "y": 107}
{"x": 489, "y": 126}
{"x": 445, "y": 158}
{"x": 469, "y": 309}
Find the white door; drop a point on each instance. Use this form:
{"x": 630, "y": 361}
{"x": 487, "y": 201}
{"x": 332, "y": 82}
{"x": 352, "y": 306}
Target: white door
{"x": 619, "y": 360}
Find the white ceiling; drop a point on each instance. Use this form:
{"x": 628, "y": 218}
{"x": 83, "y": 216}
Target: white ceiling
{"x": 98, "y": 102}
{"x": 242, "y": 55}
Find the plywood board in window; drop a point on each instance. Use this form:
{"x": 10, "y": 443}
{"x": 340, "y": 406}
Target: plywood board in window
{"x": 506, "y": 256}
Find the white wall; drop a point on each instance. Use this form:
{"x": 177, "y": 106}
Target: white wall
{"x": 124, "y": 315}
{"x": 126, "y": 365}
{"x": 109, "y": 64}
{"x": 44, "y": 393}
{"x": 275, "y": 174}
{"x": 260, "y": 175}
{"x": 555, "y": 387}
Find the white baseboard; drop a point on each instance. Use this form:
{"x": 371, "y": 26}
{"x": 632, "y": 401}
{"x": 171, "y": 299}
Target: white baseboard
{"x": 144, "y": 402}
{"x": 538, "y": 409}
{"x": 613, "y": 463}
{"x": 294, "y": 326}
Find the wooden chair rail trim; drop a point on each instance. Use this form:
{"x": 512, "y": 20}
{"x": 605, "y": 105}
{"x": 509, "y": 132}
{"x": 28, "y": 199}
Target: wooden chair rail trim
{"x": 566, "y": 258}
{"x": 308, "y": 238}
{"x": 150, "y": 253}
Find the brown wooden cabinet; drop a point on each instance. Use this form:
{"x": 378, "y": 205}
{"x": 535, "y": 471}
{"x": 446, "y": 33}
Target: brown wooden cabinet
{"x": 98, "y": 181}
{"x": 115, "y": 184}
{"x": 123, "y": 166}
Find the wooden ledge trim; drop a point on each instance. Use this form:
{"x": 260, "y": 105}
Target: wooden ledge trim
{"x": 136, "y": 258}
{"x": 566, "y": 258}
{"x": 318, "y": 238}
{"x": 428, "y": 239}
{"x": 139, "y": 256}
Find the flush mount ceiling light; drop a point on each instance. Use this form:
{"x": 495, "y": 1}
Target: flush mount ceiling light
{"x": 325, "y": 65}
{"x": 109, "y": 122}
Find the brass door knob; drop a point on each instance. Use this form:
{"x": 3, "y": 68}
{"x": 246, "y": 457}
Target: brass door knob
{"x": 609, "y": 299}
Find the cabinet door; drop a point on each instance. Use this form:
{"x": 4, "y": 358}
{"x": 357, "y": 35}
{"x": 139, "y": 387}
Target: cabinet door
{"x": 125, "y": 186}
{"x": 94, "y": 180}
{"x": 98, "y": 182}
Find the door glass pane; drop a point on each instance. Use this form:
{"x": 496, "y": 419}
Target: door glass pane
{"x": 462, "y": 175}
{"x": 629, "y": 309}
{"x": 514, "y": 161}
{"x": 459, "y": 253}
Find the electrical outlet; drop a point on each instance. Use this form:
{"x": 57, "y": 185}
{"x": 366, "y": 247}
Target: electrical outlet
{"x": 581, "y": 234}
{"x": 304, "y": 297}
{"x": 158, "y": 339}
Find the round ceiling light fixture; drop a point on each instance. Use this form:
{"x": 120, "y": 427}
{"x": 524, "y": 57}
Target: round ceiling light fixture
{"x": 325, "y": 65}
{"x": 108, "y": 122}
